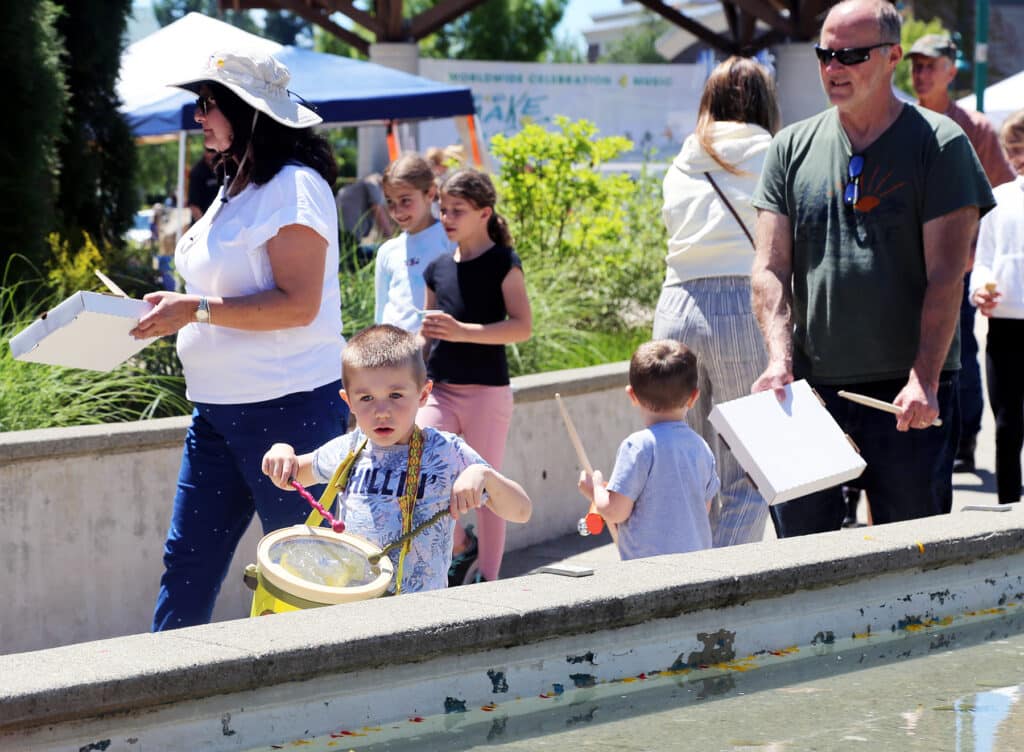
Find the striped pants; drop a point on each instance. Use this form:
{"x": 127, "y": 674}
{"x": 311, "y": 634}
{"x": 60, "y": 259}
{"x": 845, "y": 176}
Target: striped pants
{"x": 712, "y": 316}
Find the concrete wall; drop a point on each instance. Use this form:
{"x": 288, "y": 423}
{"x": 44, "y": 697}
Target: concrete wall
{"x": 405, "y": 664}
{"x": 84, "y": 511}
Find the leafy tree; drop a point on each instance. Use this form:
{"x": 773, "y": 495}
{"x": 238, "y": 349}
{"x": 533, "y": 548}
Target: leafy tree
{"x": 36, "y": 101}
{"x": 913, "y": 30}
{"x": 637, "y": 45}
{"x": 565, "y": 49}
{"x": 97, "y": 153}
{"x": 324, "y": 41}
{"x": 496, "y": 30}
{"x": 169, "y": 11}
{"x": 284, "y": 27}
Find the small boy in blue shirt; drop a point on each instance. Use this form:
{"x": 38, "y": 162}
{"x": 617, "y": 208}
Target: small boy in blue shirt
{"x": 664, "y": 478}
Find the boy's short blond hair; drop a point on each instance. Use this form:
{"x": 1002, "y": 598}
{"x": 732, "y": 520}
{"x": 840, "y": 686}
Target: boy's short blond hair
{"x": 384, "y": 346}
{"x": 663, "y": 374}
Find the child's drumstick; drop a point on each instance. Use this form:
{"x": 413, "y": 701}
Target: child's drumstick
{"x": 593, "y": 523}
{"x": 877, "y": 404}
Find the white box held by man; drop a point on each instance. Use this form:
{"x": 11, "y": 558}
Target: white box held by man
{"x": 789, "y": 448}
{"x": 88, "y": 330}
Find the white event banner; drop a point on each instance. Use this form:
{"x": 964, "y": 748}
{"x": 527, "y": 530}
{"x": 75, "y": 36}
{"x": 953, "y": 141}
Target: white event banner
{"x": 654, "y": 106}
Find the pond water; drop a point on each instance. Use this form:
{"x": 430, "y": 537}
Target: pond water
{"x": 957, "y": 689}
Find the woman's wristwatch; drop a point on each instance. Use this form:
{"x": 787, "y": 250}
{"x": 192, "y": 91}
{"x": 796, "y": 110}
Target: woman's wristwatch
{"x": 202, "y": 313}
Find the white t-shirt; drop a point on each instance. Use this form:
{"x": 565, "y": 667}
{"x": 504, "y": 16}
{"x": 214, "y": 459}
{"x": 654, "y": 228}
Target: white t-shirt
{"x": 370, "y": 506}
{"x": 1000, "y": 253}
{"x": 398, "y": 277}
{"x": 225, "y": 254}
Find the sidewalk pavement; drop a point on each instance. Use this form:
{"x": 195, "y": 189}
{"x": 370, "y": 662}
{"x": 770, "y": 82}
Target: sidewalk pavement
{"x": 978, "y": 487}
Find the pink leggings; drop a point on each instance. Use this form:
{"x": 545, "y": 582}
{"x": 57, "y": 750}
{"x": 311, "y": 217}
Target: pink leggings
{"x": 481, "y": 415}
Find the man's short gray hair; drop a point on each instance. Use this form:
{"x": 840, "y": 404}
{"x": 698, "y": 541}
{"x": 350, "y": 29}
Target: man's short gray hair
{"x": 889, "y": 22}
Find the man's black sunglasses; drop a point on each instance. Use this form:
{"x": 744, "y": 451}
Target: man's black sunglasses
{"x": 848, "y": 55}
{"x": 206, "y": 103}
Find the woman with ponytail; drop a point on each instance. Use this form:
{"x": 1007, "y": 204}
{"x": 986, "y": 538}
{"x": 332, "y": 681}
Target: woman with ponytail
{"x": 705, "y": 300}
{"x": 476, "y": 304}
{"x": 259, "y": 324}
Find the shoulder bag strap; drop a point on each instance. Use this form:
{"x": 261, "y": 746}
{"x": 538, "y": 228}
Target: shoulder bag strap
{"x": 731, "y": 208}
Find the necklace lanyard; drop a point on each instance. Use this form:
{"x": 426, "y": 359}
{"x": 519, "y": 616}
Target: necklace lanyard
{"x": 339, "y": 482}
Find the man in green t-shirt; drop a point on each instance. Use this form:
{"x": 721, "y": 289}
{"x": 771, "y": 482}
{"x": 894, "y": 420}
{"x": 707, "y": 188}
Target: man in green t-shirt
{"x": 866, "y": 215}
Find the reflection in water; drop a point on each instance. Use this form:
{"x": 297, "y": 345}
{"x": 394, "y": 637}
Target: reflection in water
{"x": 983, "y": 723}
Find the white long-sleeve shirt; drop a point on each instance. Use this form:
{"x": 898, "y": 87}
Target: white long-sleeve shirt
{"x": 1000, "y": 252}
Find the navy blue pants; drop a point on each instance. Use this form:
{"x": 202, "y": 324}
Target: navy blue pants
{"x": 972, "y": 401}
{"x": 221, "y": 485}
{"x": 909, "y": 475}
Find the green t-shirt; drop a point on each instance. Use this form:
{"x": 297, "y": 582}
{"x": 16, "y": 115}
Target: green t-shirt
{"x": 859, "y": 275}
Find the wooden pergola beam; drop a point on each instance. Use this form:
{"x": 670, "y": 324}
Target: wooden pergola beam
{"x": 699, "y": 30}
{"x": 315, "y": 14}
{"x": 808, "y": 15}
{"x": 370, "y": 22}
{"x": 763, "y": 10}
{"x": 389, "y": 15}
{"x": 426, "y": 23}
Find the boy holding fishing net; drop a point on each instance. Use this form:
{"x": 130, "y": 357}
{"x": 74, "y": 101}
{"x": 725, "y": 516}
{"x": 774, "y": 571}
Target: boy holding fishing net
{"x": 385, "y": 384}
{"x": 664, "y": 479}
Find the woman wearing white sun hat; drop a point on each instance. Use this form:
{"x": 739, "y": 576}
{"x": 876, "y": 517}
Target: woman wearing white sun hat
{"x": 259, "y": 327}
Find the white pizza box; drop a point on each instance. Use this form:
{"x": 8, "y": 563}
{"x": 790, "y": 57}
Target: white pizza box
{"x": 789, "y": 448}
{"x": 88, "y": 330}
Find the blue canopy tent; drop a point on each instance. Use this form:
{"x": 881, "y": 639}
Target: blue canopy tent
{"x": 341, "y": 90}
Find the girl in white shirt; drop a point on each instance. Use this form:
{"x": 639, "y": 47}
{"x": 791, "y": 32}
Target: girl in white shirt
{"x": 997, "y": 289}
{"x": 410, "y": 190}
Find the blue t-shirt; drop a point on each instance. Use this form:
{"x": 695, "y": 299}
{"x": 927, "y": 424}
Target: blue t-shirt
{"x": 370, "y": 505}
{"x": 398, "y": 277}
{"x": 669, "y": 473}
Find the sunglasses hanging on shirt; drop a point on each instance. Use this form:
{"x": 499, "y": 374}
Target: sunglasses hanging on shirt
{"x": 851, "y": 194}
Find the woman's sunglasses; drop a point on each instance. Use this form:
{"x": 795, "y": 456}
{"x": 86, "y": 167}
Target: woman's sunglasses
{"x": 206, "y": 103}
{"x": 848, "y": 55}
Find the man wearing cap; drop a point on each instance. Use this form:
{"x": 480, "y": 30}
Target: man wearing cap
{"x": 933, "y": 68}
{"x": 866, "y": 214}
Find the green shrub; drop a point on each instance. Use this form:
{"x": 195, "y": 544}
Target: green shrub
{"x": 591, "y": 243}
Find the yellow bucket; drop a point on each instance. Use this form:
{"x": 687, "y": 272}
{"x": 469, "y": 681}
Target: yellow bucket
{"x": 303, "y": 567}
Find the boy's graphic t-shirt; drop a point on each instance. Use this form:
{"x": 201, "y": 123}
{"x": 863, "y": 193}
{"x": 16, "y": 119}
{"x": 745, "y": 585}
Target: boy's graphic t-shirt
{"x": 370, "y": 504}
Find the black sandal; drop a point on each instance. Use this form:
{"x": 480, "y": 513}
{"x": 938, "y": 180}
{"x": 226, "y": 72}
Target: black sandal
{"x": 461, "y": 562}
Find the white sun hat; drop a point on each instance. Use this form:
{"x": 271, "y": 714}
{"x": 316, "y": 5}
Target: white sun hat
{"x": 259, "y": 80}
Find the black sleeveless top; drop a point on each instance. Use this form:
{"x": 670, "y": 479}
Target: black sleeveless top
{"x": 470, "y": 291}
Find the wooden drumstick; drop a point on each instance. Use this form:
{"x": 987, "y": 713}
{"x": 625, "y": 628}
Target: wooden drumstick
{"x": 878, "y": 404}
{"x": 594, "y": 522}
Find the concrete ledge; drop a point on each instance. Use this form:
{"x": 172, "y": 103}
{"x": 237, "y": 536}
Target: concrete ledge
{"x": 117, "y": 483}
{"x": 140, "y": 672}
{"x": 568, "y": 383}
{"x": 162, "y": 432}
{"x": 103, "y": 438}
